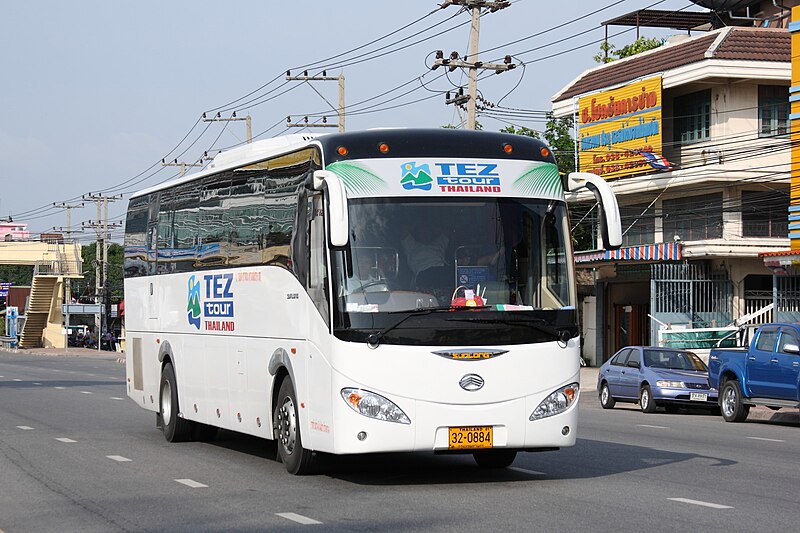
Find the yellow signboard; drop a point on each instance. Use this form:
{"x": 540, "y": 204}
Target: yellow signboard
{"x": 620, "y": 130}
{"x": 794, "y": 90}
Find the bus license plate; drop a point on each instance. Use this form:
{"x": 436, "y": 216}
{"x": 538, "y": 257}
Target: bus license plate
{"x": 698, "y": 397}
{"x": 470, "y": 437}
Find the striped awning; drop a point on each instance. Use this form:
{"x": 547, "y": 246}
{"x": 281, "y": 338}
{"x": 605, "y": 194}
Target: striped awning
{"x": 665, "y": 251}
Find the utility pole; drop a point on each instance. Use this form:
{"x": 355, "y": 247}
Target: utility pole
{"x": 471, "y": 62}
{"x": 68, "y": 231}
{"x": 234, "y": 118}
{"x": 181, "y": 164}
{"x": 340, "y": 111}
{"x": 101, "y": 227}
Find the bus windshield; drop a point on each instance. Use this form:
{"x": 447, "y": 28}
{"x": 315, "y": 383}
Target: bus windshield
{"x": 499, "y": 254}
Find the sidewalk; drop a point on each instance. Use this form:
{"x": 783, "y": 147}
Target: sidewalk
{"x": 784, "y": 416}
{"x": 71, "y": 352}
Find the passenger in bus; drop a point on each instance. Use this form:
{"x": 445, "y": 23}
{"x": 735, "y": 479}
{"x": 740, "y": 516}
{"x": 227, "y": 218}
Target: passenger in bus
{"x": 365, "y": 274}
{"x": 425, "y": 248}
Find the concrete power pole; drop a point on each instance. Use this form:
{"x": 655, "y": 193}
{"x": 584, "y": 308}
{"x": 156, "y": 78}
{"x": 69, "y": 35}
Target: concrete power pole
{"x": 68, "y": 231}
{"x": 471, "y": 62}
{"x": 233, "y": 118}
{"x": 340, "y": 110}
{"x": 101, "y": 227}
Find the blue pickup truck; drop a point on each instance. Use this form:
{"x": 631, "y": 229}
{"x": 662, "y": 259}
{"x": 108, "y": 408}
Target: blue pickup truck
{"x": 766, "y": 373}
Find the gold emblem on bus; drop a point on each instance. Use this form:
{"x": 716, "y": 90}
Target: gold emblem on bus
{"x": 469, "y": 355}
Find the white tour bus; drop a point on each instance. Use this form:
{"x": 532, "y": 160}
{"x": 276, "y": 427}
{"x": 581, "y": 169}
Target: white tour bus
{"x": 379, "y": 291}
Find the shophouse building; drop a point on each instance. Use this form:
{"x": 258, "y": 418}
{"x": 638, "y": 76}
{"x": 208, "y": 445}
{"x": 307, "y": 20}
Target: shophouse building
{"x": 694, "y": 138}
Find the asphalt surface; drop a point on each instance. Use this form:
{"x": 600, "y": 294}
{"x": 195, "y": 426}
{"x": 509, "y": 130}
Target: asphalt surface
{"x": 77, "y": 455}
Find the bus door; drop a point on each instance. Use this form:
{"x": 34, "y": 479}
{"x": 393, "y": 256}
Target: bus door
{"x": 152, "y": 257}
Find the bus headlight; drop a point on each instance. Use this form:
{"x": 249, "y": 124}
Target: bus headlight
{"x": 557, "y": 402}
{"x": 374, "y": 405}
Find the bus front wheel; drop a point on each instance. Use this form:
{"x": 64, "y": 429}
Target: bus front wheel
{"x": 287, "y": 431}
{"x": 494, "y": 458}
{"x": 175, "y": 428}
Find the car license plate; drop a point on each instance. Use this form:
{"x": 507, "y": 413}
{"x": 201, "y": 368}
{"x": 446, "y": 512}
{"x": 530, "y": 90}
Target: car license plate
{"x": 470, "y": 437}
{"x": 698, "y": 397}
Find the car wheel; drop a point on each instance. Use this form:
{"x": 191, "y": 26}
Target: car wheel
{"x": 175, "y": 428}
{"x": 287, "y": 432}
{"x": 494, "y": 458}
{"x": 730, "y": 402}
{"x": 646, "y": 401}
{"x": 606, "y": 400}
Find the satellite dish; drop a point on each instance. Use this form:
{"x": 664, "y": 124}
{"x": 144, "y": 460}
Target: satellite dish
{"x": 725, "y": 5}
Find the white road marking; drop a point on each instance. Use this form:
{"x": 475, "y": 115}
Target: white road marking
{"x": 24, "y": 427}
{"x": 526, "y": 471}
{"x": 60, "y": 388}
{"x": 90, "y": 375}
{"x": 85, "y": 392}
{"x": 768, "y": 440}
{"x": 118, "y": 458}
{"x": 300, "y": 519}
{"x": 653, "y": 427}
{"x": 65, "y": 439}
{"x": 117, "y": 398}
{"x": 37, "y": 383}
{"x": 702, "y": 504}
{"x": 191, "y": 483}
{"x": 15, "y": 379}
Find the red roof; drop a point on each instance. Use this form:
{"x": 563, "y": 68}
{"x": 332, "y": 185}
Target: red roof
{"x": 782, "y": 253}
{"x": 737, "y": 44}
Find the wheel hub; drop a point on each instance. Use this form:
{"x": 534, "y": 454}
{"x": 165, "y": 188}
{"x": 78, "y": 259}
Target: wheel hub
{"x": 287, "y": 426}
{"x": 729, "y": 402}
{"x": 166, "y": 403}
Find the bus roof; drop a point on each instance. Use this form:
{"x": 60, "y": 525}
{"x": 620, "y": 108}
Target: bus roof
{"x": 401, "y": 142}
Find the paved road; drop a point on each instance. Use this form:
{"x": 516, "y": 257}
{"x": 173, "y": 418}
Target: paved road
{"x": 76, "y": 455}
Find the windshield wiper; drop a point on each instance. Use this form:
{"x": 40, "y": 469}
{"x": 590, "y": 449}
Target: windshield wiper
{"x": 374, "y": 339}
{"x": 561, "y": 334}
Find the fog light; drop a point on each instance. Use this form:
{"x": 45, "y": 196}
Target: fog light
{"x": 362, "y": 435}
{"x": 565, "y": 430}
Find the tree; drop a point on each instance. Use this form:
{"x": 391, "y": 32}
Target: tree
{"x": 86, "y": 287}
{"x": 558, "y": 135}
{"x": 642, "y": 44}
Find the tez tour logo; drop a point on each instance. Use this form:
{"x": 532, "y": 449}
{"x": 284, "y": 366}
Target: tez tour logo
{"x": 416, "y": 176}
{"x": 193, "y": 303}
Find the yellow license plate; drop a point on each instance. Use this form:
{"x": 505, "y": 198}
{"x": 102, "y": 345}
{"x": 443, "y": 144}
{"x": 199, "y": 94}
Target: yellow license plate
{"x": 470, "y": 437}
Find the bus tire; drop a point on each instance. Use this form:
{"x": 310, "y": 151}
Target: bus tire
{"x": 494, "y": 458}
{"x": 287, "y": 432}
{"x": 175, "y": 428}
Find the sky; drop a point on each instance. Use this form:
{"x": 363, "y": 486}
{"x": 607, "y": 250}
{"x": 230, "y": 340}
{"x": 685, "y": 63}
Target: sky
{"x": 96, "y": 92}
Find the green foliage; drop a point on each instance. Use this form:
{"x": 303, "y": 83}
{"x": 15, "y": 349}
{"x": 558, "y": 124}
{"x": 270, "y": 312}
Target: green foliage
{"x": 17, "y": 274}
{"x": 557, "y": 135}
{"x": 86, "y": 287}
{"x": 609, "y": 52}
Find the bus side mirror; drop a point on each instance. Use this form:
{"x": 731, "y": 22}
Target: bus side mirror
{"x": 610, "y": 223}
{"x": 336, "y": 200}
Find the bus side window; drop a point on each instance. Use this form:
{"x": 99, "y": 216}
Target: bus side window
{"x": 318, "y": 271}
{"x": 164, "y": 234}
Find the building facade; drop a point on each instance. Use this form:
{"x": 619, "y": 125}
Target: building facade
{"x": 694, "y": 138}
